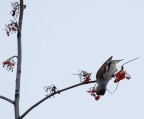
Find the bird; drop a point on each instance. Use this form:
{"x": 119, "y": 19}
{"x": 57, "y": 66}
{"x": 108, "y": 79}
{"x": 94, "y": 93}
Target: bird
{"x": 104, "y": 75}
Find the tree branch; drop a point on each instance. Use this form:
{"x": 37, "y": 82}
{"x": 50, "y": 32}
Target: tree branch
{"x": 7, "y": 99}
{"x": 19, "y": 58}
{"x": 52, "y": 94}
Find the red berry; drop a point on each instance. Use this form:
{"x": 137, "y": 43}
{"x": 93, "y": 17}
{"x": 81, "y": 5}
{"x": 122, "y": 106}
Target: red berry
{"x": 97, "y": 97}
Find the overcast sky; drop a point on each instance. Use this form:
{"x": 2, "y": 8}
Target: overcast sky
{"x": 59, "y": 37}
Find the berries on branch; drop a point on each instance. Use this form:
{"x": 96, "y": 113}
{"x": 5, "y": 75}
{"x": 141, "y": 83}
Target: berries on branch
{"x": 84, "y": 76}
{"x": 9, "y": 63}
{"x": 11, "y": 27}
{"x": 92, "y": 91}
{"x": 121, "y": 75}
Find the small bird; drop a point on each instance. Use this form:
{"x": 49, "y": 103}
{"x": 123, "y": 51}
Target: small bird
{"x": 104, "y": 74}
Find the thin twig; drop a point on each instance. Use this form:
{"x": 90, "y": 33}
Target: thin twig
{"x": 52, "y": 94}
{"x": 7, "y": 99}
{"x": 13, "y": 57}
{"x": 130, "y": 61}
{"x": 116, "y": 87}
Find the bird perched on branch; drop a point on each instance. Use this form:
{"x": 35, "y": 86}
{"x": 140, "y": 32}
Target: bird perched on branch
{"x": 104, "y": 74}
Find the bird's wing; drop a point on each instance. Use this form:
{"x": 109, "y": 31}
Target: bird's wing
{"x": 112, "y": 68}
{"x": 104, "y": 68}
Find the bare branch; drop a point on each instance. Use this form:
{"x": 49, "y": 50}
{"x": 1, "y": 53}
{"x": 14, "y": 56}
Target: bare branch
{"x": 52, "y": 94}
{"x": 7, "y": 99}
{"x": 19, "y": 56}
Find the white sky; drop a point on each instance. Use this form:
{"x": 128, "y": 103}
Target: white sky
{"x": 62, "y": 36}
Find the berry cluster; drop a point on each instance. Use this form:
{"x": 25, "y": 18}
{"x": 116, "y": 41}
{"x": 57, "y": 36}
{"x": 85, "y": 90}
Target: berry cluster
{"x": 93, "y": 93}
{"x": 121, "y": 75}
{"x": 87, "y": 78}
{"x": 9, "y": 64}
{"x": 84, "y": 76}
{"x": 11, "y": 27}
